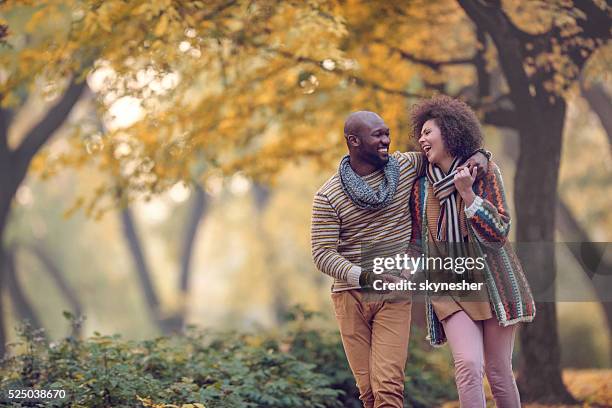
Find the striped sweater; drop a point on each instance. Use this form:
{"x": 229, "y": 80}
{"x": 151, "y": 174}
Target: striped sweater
{"x": 340, "y": 228}
{"x": 488, "y": 225}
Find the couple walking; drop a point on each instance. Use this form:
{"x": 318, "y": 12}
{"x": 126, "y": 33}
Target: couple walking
{"x": 448, "y": 193}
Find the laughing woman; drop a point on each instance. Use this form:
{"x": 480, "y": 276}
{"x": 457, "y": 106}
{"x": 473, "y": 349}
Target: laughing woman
{"x": 450, "y": 205}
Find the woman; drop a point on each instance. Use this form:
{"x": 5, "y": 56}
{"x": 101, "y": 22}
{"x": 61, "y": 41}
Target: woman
{"x": 450, "y": 205}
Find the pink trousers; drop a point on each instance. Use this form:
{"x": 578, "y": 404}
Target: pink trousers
{"x": 481, "y": 347}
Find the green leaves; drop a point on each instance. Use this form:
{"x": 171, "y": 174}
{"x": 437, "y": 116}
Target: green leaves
{"x": 302, "y": 366}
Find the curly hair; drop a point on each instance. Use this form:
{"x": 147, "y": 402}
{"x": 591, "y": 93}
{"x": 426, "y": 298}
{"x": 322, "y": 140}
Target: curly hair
{"x": 458, "y": 123}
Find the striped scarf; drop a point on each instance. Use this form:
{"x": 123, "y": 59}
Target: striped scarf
{"x": 445, "y": 192}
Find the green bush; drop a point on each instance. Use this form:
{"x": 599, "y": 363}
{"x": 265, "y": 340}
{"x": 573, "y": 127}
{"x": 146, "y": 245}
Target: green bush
{"x": 298, "y": 367}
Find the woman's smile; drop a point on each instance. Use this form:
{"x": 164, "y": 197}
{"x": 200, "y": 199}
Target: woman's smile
{"x": 432, "y": 143}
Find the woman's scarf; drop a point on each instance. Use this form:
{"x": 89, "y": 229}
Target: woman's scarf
{"x": 445, "y": 191}
{"x": 358, "y": 190}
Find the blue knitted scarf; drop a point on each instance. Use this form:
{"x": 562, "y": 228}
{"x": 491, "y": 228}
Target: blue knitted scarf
{"x": 364, "y": 196}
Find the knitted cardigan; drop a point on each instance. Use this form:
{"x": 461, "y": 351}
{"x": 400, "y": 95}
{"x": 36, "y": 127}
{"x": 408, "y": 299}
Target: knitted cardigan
{"x": 509, "y": 293}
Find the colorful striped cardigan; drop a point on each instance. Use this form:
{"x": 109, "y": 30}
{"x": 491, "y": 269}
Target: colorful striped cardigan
{"x": 488, "y": 227}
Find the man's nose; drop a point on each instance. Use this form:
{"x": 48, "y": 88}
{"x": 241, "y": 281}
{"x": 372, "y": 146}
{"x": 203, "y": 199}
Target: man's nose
{"x": 386, "y": 139}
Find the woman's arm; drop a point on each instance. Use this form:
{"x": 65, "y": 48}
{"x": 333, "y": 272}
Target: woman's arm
{"x": 487, "y": 213}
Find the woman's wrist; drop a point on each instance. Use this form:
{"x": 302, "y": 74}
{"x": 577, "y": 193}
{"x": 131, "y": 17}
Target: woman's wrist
{"x": 468, "y": 197}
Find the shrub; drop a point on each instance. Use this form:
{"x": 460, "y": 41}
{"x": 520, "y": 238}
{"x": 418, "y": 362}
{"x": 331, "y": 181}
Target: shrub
{"x": 300, "y": 366}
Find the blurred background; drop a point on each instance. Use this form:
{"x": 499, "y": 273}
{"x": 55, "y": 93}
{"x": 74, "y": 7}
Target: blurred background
{"x": 158, "y": 159}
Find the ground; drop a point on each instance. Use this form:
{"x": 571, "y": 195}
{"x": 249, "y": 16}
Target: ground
{"x": 592, "y": 387}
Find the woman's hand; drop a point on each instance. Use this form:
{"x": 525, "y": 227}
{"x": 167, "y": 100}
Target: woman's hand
{"x": 464, "y": 178}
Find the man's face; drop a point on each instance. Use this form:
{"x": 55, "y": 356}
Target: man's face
{"x": 375, "y": 140}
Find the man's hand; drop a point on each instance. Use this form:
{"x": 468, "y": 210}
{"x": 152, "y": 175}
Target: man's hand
{"x": 478, "y": 160}
{"x": 367, "y": 280}
{"x": 388, "y": 278}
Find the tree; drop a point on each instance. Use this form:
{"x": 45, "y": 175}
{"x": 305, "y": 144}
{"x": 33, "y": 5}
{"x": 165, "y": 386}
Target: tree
{"x": 182, "y": 61}
{"x": 538, "y": 49}
{"x": 249, "y": 86}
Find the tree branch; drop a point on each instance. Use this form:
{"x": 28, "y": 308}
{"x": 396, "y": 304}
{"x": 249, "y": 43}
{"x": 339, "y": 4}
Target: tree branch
{"x": 361, "y": 82}
{"x": 44, "y": 129}
{"x": 433, "y": 64}
{"x": 600, "y": 103}
{"x": 490, "y": 17}
{"x": 480, "y": 64}
{"x": 59, "y": 279}
{"x": 594, "y": 26}
{"x": 501, "y": 117}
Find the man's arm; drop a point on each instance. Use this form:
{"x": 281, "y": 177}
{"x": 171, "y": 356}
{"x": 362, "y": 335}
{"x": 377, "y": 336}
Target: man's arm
{"x": 325, "y": 234}
{"x": 479, "y": 158}
{"x": 420, "y": 161}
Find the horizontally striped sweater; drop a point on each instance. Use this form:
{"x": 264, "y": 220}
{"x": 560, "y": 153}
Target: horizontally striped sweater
{"x": 340, "y": 228}
{"x": 488, "y": 226}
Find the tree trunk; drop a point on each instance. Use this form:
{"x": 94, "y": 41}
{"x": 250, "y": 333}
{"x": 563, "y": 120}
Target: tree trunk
{"x": 191, "y": 230}
{"x": 142, "y": 269}
{"x": 62, "y": 284}
{"x": 280, "y": 293}
{"x": 589, "y": 256}
{"x": 7, "y": 193}
{"x": 14, "y": 164}
{"x": 536, "y": 180}
{"x": 24, "y": 309}
{"x": 5, "y": 201}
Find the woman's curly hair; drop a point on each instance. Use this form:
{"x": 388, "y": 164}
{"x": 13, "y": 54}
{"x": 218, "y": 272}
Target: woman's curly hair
{"x": 458, "y": 123}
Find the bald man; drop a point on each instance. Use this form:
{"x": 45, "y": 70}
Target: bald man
{"x": 366, "y": 202}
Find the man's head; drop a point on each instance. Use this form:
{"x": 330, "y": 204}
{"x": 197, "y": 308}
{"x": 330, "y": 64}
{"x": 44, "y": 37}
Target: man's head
{"x": 367, "y": 138}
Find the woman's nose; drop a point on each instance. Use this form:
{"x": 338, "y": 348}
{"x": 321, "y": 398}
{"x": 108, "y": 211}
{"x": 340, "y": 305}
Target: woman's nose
{"x": 422, "y": 139}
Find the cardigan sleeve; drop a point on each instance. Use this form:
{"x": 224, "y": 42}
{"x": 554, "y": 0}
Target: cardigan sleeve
{"x": 325, "y": 234}
{"x": 488, "y": 215}
{"x": 414, "y": 205}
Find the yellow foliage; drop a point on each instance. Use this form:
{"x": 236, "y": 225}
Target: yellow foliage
{"x": 245, "y": 85}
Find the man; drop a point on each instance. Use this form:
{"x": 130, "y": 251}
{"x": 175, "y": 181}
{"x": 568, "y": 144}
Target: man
{"x": 366, "y": 202}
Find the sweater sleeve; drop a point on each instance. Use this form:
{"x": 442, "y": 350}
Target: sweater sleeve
{"x": 325, "y": 234}
{"x": 488, "y": 215}
{"x": 419, "y": 160}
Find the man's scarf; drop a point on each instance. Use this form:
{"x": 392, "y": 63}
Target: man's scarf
{"x": 445, "y": 192}
{"x": 360, "y": 192}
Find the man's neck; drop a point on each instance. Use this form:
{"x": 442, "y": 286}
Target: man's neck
{"x": 362, "y": 168}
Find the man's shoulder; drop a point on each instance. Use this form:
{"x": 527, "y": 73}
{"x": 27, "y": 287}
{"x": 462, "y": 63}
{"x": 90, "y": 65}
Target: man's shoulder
{"x": 330, "y": 186}
{"x": 406, "y": 157}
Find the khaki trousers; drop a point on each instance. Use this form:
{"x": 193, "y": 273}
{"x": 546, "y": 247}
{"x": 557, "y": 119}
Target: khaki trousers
{"x": 375, "y": 339}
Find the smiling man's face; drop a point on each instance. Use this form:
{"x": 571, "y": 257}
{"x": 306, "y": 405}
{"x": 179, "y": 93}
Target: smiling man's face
{"x": 375, "y": 141}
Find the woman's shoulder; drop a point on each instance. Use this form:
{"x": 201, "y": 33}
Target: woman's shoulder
{"x": 493, "y": 172}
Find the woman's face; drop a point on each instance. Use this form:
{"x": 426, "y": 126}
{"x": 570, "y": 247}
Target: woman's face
{"x": 432, "y": 144}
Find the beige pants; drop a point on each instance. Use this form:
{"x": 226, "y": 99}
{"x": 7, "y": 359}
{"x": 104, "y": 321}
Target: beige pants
{"x": 375, "y": 339}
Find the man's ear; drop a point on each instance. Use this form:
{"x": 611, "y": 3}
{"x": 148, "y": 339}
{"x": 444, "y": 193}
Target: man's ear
{"x": 353, "y": 140}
